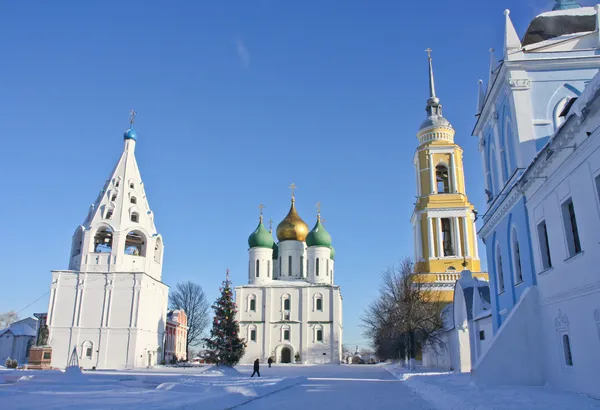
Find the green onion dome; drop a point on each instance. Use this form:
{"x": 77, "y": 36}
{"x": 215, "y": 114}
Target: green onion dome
{"x": 332, "y": 253}
{"x": 318, "y": 236}
{"x": 260, "y": 238}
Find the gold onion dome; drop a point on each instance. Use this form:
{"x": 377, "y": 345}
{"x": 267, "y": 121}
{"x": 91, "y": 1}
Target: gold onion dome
{"x": 292, "y": 228}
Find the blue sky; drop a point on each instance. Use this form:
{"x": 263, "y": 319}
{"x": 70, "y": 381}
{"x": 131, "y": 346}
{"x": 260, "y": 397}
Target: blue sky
{"x": 235, "y": 102}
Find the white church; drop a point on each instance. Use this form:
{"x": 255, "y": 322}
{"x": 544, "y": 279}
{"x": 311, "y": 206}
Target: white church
{"x": 291, "y": 310}
{"x": 111, "y": 303}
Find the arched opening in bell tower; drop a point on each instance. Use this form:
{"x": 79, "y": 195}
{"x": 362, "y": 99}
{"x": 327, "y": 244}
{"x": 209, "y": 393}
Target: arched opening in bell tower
{"x": 442, "y": 179}
{"x": 103, "y": 240}
{"x": 447, "y": 237}
{"x": 135, "y": 244}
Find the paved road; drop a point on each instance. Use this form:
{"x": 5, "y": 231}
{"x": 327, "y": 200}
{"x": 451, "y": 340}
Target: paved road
{"x": 338, "y": 387}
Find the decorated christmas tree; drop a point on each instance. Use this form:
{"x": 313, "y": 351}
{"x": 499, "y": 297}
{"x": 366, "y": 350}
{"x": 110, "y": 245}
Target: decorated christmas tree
{"x": 224, "y": 344}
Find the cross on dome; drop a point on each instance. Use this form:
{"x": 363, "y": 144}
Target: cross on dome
{"x": 293, "y": 187}
{"x": 261, "y": 207}
{"x": 132, "y": 115}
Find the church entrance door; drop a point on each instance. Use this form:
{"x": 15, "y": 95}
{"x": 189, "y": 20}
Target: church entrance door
{"x": 286, "y": 355}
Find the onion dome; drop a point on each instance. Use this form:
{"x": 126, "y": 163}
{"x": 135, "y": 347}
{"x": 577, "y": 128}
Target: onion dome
{"x": 318, "y": 236}
{"x": 260, "y": 238}
{"x": 292, "y": 228}
{"x": 332, "y": 253}
{"x": 130, "y": 134}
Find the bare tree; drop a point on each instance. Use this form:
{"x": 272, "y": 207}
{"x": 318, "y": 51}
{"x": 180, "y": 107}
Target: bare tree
{"x": 7, "y": 318}
{"x": 190, "y": 297}
{"x": 406, "y": 314}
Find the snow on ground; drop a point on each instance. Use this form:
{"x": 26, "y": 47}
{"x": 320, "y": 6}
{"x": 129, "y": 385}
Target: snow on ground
{"x": 282, "y": 386}
{"x": 453, "y": 391}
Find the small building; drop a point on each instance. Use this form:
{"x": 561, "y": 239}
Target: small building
{"x": 467, "y": 328}
{"x": 17, "y": 339}
{"x": 176, "y": 336}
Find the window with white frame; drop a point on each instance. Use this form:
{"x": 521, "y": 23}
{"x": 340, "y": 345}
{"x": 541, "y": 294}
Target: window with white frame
{"x": 87, "y": 349}
{"x": 252, "y": 303}
{"x": 566, "y": 345}
{"x": 516, "y": 250}
{"x": 319, "y": 302}
{"x": 318, "y": 333}
{"x": 290, "y": 265}
{"x": 285, "y": 333}
{"x": 447, "y": 237}
{"x": 252, "y": 333}
{"x": 286, "y": 303}
{"x": 499, "y": 270}
{"x": 317, "y": 267}
{"x": 442, "y": 179}
{"x": 542, "y": 232}
{"x": 257, "y": 268}
{"x": 570, "y": 224}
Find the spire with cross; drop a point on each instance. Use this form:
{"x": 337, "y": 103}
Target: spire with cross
{"x": 261, "y": 207}
{"x": 270, "y": 226}
{"x": 318, "y": 206}
{"x": 132, "y": 115}
{"x": 293, "y": 188}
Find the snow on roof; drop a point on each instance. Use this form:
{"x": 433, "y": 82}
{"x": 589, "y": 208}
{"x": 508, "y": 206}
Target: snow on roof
{"x": 580, "y": 11}
{"x": 590, "y": 90}
{"x": 554, "y": 40}
{"x": 19, "y": 329}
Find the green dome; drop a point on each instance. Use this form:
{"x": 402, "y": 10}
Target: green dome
{"x": 318, "y": 236}
{"x": 260, "y": 238}
{"x": 332, "y": 254}
{"x": 275, "y": 251}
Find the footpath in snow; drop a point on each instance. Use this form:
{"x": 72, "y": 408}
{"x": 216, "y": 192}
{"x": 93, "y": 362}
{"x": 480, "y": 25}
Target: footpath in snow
{"x": 207, "y": 388}
{"x": 457, "y": 391}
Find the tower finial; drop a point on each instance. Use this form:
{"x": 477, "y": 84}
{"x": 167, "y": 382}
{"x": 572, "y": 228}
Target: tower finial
{"x": 132, "y": 115}
{"x": 261, "y": 207}
{"x": 270, "y": 226}
{"x": 293, "y": 187}
{"x": 318, "y": 206}
{"x": 431, "y": 80}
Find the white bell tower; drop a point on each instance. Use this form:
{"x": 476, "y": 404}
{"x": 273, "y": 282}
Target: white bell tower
{"x": 111, "y": 304}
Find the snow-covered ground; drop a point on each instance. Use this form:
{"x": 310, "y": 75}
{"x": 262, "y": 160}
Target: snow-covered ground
{"x": 282, "y": 386}
{"x": 450, "y": 391}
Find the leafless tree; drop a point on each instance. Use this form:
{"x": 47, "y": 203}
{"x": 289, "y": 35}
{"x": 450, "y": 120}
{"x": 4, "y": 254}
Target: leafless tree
{"x": 190, "y": 297}
{"x": 7, "y": 318}
{"x": 406, "y": 314}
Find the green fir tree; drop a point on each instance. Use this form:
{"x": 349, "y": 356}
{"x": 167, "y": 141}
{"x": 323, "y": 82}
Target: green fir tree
{"x": 224, "y": 344}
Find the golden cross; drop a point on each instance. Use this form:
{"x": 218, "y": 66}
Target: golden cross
{"x": 270, "y": 225}
{"x": 132, "y": 117}
{"x": 429, "y": 52}
{"x": 318, "y": 206}
{"x": 293, "y": 186}
{"x": 261, "y": 207}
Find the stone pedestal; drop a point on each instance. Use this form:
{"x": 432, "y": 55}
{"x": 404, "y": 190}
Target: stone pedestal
{"x": 40, "y": 358}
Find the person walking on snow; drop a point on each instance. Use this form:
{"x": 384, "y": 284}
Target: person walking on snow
{"x": 256, "y": 368}
{"x": 270, "y": 361}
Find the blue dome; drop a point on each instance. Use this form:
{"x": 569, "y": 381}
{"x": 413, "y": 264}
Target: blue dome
{"x": 130, "y": 134}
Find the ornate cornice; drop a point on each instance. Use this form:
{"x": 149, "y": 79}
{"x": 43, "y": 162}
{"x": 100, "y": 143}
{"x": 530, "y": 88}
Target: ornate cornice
{"x": 519, "y": 83}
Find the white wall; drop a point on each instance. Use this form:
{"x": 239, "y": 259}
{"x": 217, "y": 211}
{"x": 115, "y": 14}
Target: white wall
{"x": 515, "y": 355}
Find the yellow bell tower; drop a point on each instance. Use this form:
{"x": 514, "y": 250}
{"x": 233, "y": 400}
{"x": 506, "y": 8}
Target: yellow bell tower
{"x": 443, "y": 218}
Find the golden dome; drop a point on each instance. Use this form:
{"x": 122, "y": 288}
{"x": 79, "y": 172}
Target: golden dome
{"x": 292, "y": 228}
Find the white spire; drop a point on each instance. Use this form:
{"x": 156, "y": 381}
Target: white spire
{"x": 511, "y": 38}
{"x": 118, "y": 234}
{"x": 491, "y": 70}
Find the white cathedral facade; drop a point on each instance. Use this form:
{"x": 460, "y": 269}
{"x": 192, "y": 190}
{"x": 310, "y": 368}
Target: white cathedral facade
{"x": 111, "y": 303}
{"x": 291, "y": 310}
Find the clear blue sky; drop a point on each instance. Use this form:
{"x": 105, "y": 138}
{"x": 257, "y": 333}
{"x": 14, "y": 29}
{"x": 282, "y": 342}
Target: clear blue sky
{"x": 235, "y": 101}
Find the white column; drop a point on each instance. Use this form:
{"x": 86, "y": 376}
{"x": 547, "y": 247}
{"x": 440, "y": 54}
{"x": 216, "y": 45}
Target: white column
{"x": 440, "y": 238}
{"x": 431, "y": 173}
{"x": 466, "y": 236}
{"x": 430, "y": 234}
{"x": 419, "y": 244}
{"x": 456, "y": 237}
{"x": 475, "y": 245}
{"x": 418, "y": 169}
{"x": 453, "y": 170}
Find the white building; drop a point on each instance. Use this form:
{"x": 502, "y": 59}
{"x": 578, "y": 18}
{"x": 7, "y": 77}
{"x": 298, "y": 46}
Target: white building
{"x": 111, "y": 304}
{"x": 17, "y": 339}
{"x": 291, "y": 310}
{"x": 467, "y": 329}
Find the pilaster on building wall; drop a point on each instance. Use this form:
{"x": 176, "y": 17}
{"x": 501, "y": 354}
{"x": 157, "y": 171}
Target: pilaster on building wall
{"x": 111, "y": 304}
{"x": 538, "y": 135}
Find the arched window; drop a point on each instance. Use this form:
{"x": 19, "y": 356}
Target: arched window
{"x": 317, "y": 267}
{"x": 286, "y": 302}
{"x": 319, "y": 302}
{"x": 103, "y": 240}
{"x": 516, "y": 257}
{"x": 447, "y": 237}
{"x": 558, "y": 110}
{"x": 131, "y": 185}
{"x": 252, "y": 303}
{"x": 286, "y": 333}
{"x": 158, "y": 248}
{"x": 441, "y": 177}
{"x": 257, "y": 268}
{"x": 114, "y": 197}
{"x": 133, "y": 200}
{"x": 252, "y": 333}
{"x": 135, "y": 244}
{"x": 290, "y": 265}
{"x": 499, "y": 270}
{"x": 135, "y": 217}
{"x": 87, "y": 349}
{"x": 319, "y": 333}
